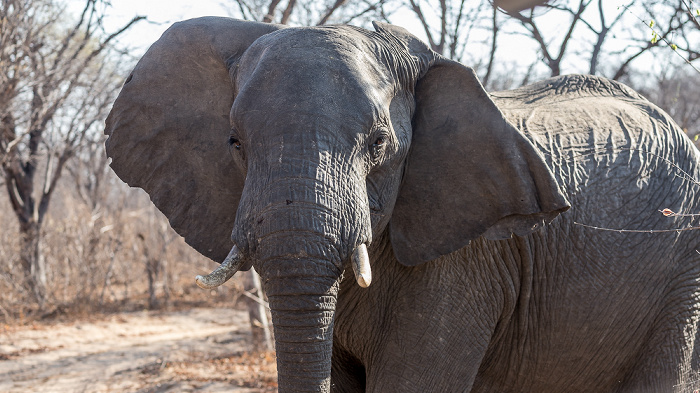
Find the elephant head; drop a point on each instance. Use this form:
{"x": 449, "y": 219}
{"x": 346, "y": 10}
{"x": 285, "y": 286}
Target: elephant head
{"x": 293, "y": 148}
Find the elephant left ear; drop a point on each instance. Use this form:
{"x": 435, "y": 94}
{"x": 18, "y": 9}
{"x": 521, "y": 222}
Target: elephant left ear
{"x": 469, "y": 173}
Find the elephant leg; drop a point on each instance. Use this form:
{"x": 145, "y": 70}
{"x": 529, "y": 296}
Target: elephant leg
{"x": 670, "y": 358}
{"x": 347, "y": 373}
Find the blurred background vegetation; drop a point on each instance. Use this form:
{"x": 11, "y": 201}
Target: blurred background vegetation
{"x": 75, "y": 239}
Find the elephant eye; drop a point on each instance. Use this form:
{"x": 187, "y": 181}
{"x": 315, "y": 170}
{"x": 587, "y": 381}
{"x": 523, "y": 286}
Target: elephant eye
{"x": 376, "y": 148}
{"x": 232, "y": 141}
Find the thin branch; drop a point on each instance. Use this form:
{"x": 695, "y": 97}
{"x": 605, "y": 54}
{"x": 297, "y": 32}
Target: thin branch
{"x": 649, "y": 231}
{"x": 689, "y": 10}
{"x": 419, "y": 13}
{"x": 666, "y": 212}
{"x": 330, "y": 11}
{"x": 271, "y": 11}
{"x": 671, "y": 213}
{"x": 622, "y": 70}
{"x": 241, "y": 5}
{"x": 256, "y": 299}
{"x": 492, "y": 55}
{"x": 370, "y": 8}
{"x": 567, "y": 37}
{"x": 443, "y": 26}
{"x": 288, "y": 12}
{"x": 68, "y": 39}
{"x": 455, "y": 31}
{"x": 530, "y": 25}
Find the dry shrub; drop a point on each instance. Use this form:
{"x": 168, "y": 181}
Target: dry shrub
{"x": 114, "y": 254}
{"x": 11, "y": 276}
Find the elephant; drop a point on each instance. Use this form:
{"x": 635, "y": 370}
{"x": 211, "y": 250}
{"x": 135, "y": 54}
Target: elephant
{"x": 413, "y": 232}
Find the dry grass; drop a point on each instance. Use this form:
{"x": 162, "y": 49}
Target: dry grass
{"x": 256, "y": 370}
{"x": 200, "y": 349}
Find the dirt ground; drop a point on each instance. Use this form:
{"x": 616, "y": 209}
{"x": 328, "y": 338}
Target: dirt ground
{"x": 196, "y": 350}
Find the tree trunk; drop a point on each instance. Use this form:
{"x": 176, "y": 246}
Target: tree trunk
{"x": 32, "y": 262}
{"x": 257, "y": 312}
{"x": 152, "y": 270}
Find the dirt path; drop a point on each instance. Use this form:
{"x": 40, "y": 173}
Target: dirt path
{"x": 198, "y": 350}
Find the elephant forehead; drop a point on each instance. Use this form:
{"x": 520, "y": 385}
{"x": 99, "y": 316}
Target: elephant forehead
{"x": 325, "y": 68}
{"x": 324, "y": 42}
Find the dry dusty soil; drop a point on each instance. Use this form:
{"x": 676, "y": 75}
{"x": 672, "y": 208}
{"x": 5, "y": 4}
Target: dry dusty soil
{"x": 196, "y": 350}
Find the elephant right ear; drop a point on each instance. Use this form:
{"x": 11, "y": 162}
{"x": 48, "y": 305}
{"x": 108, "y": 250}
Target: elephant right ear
{"x": 469, "y": 172}
{"x": 168, "y": 128}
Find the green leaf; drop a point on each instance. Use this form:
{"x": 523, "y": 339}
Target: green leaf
{"x": 674, "y": 46}
{"x": 696, "y": 137}
{"x": 697, "y": 12}
{"x": 651, "y": 23}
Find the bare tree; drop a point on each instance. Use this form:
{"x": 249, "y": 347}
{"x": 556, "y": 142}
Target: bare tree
{"x": 492, "y": 53}
{"x": 598, "y": 34}
{"x": 156, "y": 263}
{"x": 257, "y": 311}
{"x": 672, "y": 25}
{"x": 55, "y": 89}
{"x": 90, "y": 173}
{"x": 676, "y": 91}
{"x": 552, "y": 57}
{"x": 308, "y": 12}
{"x": 447, "y": 24}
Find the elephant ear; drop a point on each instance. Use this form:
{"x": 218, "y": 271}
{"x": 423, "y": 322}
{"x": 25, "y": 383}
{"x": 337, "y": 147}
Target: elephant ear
{"x": 169, "y": 126}
{"x": 469, "y": 172}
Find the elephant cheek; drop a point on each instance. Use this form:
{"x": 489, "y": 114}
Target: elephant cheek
{"x": 381, "y": 201}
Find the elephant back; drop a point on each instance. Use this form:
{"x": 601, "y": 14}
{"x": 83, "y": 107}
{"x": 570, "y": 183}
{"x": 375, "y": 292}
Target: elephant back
{"x": 601, "y": 138}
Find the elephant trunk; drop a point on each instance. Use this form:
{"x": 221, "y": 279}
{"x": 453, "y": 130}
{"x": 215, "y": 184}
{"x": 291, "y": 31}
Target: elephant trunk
{"x": 303, "y": 324}
{"x": 301, "y": 263}
{"x": 300, "y": 226}
{"x": 302, "y": 292}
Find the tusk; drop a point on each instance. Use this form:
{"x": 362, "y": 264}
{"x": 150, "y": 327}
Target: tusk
{"x": 223, "y": 273}
{"x": 360, "y": 266}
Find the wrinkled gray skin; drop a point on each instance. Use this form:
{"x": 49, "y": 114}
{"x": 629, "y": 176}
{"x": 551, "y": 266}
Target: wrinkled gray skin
{"x": 300, "y": 144}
